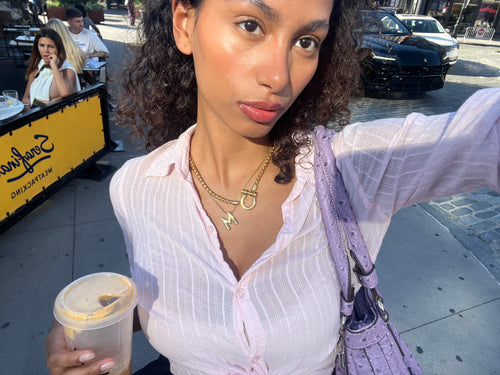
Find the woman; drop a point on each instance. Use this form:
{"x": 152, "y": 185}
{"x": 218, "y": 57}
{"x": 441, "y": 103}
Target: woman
{"x": 74, "y": 54}
{"x": 222, "y": 224}
{"x": 131, "y": 11}
{"x": 50, "y": 76}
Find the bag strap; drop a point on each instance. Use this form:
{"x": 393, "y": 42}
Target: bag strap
{"x": 339, "y": 221}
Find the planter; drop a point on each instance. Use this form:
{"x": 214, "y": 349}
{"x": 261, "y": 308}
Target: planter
{"x": 57, "y": 12}
{"x": 60, "y": 12}
{"x": 96, "y": 15}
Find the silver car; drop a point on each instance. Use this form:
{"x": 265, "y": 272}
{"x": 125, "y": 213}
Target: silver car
{"x": 432, "y": 30}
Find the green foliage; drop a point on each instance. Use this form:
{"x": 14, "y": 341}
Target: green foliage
{"x": 88, "y": 4}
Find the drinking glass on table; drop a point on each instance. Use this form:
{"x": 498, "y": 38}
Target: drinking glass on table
{"x": 10, "y": 96}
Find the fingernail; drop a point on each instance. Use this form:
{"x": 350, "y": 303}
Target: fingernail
{"x": 107, "y": 366}
{"x": 86, "y": 357}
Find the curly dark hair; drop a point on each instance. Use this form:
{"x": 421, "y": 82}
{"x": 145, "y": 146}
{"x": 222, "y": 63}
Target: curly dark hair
{"x": 160, "y": 91}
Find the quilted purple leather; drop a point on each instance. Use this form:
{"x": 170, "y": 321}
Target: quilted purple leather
{"x": 371, "y": 343}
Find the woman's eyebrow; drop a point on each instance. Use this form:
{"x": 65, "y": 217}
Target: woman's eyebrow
{"x": 274, "y": 15}
{"x": 316, "y": 25}
{"x": 263, "y": 7}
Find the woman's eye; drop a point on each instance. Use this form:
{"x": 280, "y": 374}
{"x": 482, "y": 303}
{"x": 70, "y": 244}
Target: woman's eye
{"x": 307, "y": 44}
{"x": 250, "y": 27}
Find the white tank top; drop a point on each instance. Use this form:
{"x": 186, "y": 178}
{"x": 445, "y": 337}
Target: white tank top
{"x": 40, "y": 87}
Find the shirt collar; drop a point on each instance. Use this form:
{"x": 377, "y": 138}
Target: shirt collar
{"x": 172, "y": 155}
{"x": 175, "y": 155}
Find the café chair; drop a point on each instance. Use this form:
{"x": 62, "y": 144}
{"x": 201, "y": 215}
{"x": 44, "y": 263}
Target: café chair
{"x": 19, "y": 41}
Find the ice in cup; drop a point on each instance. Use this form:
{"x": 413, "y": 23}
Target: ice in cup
{"x": 97, "y": 313}
{"x": 10, "y": 96}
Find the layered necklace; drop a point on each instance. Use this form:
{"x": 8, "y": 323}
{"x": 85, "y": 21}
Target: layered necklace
{"x": 248, "y": 198}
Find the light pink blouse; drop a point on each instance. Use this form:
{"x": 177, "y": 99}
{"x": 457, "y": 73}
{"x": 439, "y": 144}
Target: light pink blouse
{"x": 282, "y": 316}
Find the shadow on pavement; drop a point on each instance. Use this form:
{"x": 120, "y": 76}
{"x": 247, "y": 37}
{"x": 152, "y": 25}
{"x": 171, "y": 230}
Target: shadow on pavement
{"x": 474, "y": 69}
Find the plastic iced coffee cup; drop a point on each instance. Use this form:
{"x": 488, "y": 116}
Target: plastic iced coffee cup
{"x": 97, "y": 313}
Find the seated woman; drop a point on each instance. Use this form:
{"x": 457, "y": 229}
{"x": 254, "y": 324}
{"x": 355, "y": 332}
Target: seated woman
{"x": 74, "y": 54}
{"x": 50, "y": 76}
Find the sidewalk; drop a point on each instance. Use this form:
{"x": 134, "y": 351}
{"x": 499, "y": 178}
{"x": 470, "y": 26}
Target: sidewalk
{"x": 495, "y": 41}
{"x": 446, "y": 304}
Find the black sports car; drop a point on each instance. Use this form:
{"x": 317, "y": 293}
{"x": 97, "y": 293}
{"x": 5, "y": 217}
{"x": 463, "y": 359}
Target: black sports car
{"x": 397, "y": 60}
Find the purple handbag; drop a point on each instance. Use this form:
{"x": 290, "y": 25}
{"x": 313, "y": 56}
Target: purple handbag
{"x": 368, "y": 341}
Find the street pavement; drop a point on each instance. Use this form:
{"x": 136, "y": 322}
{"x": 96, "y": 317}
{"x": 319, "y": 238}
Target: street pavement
{"x": 442, "y": 295}
{"x": 473, "y": 218}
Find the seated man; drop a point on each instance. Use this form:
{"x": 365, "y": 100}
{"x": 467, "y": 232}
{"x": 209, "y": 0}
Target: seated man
{"x": 88, "y": 41}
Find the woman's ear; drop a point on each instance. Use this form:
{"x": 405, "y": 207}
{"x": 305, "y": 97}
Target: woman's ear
{"x": 182, "y": 19}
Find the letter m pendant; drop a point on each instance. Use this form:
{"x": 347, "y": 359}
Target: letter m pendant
{"x": 230, "y": 218}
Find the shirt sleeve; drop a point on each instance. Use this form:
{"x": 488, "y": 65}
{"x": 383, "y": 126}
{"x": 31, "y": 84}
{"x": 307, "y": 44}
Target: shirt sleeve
{"x": 98, "y": 45}
{"x": 392, "y": 163}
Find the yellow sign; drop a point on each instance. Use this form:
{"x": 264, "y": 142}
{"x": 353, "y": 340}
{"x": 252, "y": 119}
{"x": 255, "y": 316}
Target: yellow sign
{"x": 38, "y": 154}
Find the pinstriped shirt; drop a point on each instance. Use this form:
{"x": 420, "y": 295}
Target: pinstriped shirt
{"x": 281, "y": 317}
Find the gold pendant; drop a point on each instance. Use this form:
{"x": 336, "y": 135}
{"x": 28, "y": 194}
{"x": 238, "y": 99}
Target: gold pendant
{"x": 230, "y": 218}
{"x": 244, "y": 195}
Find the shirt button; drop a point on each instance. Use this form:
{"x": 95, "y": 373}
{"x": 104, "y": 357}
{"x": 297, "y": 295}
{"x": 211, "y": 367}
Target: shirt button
{"x": 240, "y": 293}
{"x": 210, "y": 229}
{"x": 255, "y": 360}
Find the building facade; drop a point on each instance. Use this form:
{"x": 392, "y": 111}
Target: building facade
{"x": 483, "y": 13}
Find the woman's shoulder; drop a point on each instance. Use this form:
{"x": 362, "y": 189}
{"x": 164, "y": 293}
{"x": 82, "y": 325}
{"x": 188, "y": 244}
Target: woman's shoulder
{"x": 66, "y": 65}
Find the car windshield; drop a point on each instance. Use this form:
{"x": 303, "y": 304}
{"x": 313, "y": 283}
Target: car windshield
{"x": 423, "y": 26}
{"x": 382, "y": 23}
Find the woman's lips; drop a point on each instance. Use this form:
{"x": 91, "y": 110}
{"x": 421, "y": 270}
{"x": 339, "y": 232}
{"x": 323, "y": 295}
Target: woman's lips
{"x": 261, "y": 111}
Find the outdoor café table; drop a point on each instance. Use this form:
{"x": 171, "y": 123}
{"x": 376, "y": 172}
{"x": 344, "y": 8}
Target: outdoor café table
{"x": 21, "y": 29}
{"x": 22, "y": 43}
{"x": 7, "y": 111}
{"x": 25, "y": 39}
{"x": 95, "y": 71}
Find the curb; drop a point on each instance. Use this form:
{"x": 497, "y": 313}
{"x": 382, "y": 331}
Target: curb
{"x": 471, "y": 242}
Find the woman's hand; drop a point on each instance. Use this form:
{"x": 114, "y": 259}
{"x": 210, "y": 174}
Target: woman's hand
{"x": 62, "y": 360}
{"x": 53, "y": 61}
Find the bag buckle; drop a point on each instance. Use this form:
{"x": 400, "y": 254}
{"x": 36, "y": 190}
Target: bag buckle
{"x": 341, "y": 342}
{"x": 379, "y": 302}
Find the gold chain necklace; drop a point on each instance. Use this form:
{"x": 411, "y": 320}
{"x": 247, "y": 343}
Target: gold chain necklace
{"x": 244, "y": 192}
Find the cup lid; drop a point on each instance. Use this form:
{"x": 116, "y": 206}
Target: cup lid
{"x": 95, "y": 301}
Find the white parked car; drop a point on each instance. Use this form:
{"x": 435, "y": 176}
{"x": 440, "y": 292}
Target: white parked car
{"x": 431, "y": 29}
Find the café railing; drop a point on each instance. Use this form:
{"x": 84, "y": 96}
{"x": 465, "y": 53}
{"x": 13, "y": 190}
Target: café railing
{"x": 41, "y": 150}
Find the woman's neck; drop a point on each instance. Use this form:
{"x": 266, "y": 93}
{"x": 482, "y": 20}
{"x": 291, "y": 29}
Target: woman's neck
{"x": 226, "y": 158}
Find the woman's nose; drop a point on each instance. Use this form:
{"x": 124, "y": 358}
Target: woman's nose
{"x": 274, "y": 68}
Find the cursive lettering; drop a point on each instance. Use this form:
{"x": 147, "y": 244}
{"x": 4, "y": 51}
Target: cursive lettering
{"x": 24, "y": 161}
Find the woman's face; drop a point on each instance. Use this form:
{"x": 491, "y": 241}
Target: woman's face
{"x": 47, "y": 47}
{"x": 253, "y": 58}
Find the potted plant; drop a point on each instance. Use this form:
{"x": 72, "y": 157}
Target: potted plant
{"x": 57, "y": 9}
{"x": 95, "y": 10}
